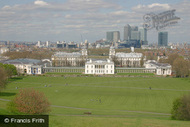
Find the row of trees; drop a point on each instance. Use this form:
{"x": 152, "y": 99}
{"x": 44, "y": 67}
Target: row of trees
{"x": 38, "y": 54}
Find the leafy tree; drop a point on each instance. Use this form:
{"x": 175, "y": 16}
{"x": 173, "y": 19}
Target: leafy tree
{"x": 181, "y": 67}
{"x": 172, "y": 58}
{"x": 181, "y": 109}
{"x": 10, "y": 69}
{"x": 3, "y": 78}
{"x": 29, "y": 101}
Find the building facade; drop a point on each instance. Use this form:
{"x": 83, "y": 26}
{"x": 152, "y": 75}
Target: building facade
{"x": 99, "y": 67}
{"x": 122, "y": 59}
{"x": 27, "y": 66}
{"x": 160, "y": 68}
{"x": 61, "y": 59}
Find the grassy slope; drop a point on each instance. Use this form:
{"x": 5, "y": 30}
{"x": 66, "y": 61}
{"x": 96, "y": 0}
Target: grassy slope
{"x": 118, "y": 96}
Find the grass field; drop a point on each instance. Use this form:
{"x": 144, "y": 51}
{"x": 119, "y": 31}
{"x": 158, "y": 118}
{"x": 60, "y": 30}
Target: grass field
{"x": 113, "y": 101}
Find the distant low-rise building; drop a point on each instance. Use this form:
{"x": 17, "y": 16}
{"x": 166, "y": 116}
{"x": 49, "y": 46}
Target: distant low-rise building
{"x": 99, "y": 67}
{"x": 160, "y": 68}
{"x": 3, "y": 50}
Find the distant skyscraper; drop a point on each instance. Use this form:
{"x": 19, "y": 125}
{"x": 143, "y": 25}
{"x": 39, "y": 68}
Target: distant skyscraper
{"x": 109, "y": 36}
{"x": 163, "y": 39}
{"x": 143, "y": 35}
{"x": 134, "y": 28}
{"x": 135, "y": 35}
{"x": 113, "y": 36}
{"x": 127, "y": 32}
{"x": 116, "y": 36}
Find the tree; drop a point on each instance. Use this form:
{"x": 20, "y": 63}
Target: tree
{"x": 181, "y": 110}
{"x": 3, "y": 78}
{"x": 181, "y": 67}
{"x": 172, "y": 58}
{"x": 10, "y": 69}
{"x": 29, "y": 101}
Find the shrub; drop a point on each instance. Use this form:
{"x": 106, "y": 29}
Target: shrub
{"x": 29, "y": 101}
{"x": 181, "y": 108}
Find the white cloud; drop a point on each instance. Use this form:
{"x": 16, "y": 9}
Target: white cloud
{"x": 166, "y": 6}
{"x": 155, "y": 7}
{"x": 40, "y": 3}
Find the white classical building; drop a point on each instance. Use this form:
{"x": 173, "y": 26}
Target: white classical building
{"x": 122, "y": 59}
{"x": 99, "y": 67}
{"x": 160, "y": 68}
{"x": 61, "y": 59}
{"x": 28, "y": 66}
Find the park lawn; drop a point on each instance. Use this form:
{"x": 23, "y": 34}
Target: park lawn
{"x": 94, "y": 121}
{"x": 56, "y": 73}
{"x": 142, "y": 74}
{"x": 70, "y": 97}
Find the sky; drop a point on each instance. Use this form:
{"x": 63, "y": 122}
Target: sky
{"x": 78, "y": 20}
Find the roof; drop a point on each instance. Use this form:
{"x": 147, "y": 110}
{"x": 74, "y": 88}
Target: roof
{"x": 65, "y": 54}
{"x": 153, "y": 62}
{"x": 129, "y": 55}
{"x": 95, "y": 61}
{"x": 22, "y": 61}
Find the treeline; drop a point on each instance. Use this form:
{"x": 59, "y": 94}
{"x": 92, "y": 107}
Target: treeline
{"x": 6, "y": 71}
{"x": 180, "y": 66}
{"x": 38, "y": 54}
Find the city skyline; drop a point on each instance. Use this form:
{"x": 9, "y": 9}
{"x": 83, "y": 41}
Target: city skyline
{"x": 67, "y": 20}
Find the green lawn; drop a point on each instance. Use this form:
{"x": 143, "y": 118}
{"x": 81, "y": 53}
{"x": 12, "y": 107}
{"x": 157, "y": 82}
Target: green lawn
{"x": 149, "y": 74}
{"x": 113, "y": 101}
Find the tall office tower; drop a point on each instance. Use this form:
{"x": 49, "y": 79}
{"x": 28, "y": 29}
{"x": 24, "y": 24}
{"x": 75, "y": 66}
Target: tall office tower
{"x": 127, "y": 32}
{"x": 116, "y": 36}
{"x": 143, "y": 35}
{"x": 135, "y": 35}
{"x": 163, "y": 39}
{"x": 113, "y": 36}
{"x": 134, "y": 28}
{"x": 109, "y": 36}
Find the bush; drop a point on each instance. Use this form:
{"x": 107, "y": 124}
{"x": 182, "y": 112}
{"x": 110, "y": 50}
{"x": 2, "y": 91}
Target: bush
{"x": 181, "y": 108}
{"x": 29, "y": 101}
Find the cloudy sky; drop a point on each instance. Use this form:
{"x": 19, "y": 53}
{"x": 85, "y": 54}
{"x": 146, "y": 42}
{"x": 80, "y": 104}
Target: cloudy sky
{"x": 67, "y": 20}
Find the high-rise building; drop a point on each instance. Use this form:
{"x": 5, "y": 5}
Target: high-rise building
{"x": 127, "y": 32}
{"x": 109, "y": 36}
{"x": 163, "y": 39}
{"x": 134, "y": 28}
{"x": 143, "y": 35}
{"x": 135, "y": 35}
{"x": 113, "y": 36}
{"x": 116, "y": 36}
